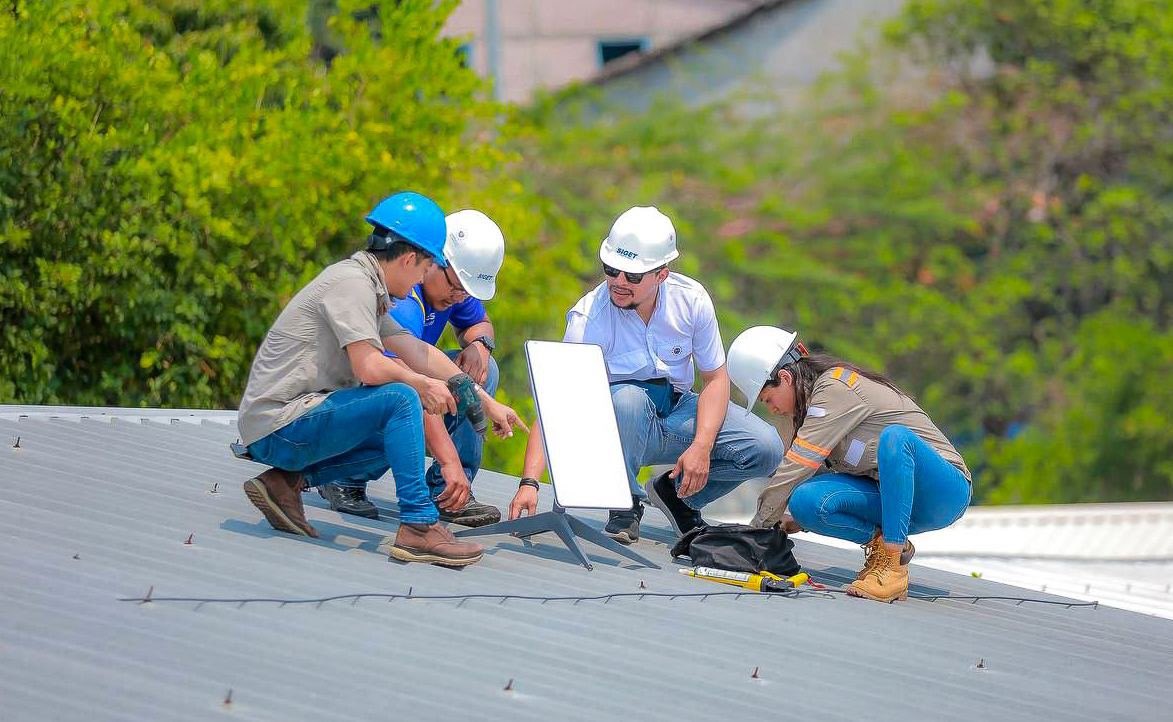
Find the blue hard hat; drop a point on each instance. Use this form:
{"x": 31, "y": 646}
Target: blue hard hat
{"x": 412, "y": 217}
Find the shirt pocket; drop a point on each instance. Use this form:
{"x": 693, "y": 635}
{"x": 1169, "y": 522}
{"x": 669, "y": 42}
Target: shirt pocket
{"x": 675, "y": 352}
{"x": 856, "y": 454}
{"x": 622, "y": 364}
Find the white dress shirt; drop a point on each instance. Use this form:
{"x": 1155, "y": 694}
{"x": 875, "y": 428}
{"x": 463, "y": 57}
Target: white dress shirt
{"x": 683, "y": 329}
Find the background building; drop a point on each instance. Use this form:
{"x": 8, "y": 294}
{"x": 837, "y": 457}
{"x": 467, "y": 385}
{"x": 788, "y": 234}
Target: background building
{"x": 531, "y": 45}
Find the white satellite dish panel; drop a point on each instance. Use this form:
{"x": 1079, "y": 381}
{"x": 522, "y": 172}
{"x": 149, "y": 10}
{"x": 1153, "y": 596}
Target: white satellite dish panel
{"x": 573, "y": 398}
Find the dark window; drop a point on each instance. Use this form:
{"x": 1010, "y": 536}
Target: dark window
{"x": 613, "y": 49}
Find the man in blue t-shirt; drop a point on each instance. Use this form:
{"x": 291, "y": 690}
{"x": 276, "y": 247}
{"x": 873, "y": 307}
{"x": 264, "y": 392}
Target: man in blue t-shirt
{"x": 475, "y": 249}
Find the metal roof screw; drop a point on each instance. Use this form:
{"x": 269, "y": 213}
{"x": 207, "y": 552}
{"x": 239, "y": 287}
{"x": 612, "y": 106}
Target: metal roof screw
{"x": 16, "y": 443}
{"x": 77, "y": 556}
{"x": 981, "y": 663}
{"x": 215, "y": 489}
{"x": 189, "y": 538}
{"x": 228, "y": 698}
{"x": 509, "y": 685}
{"x": 642, "y": 585}
{"x": 147, "y": 598}
{"x": 755, "y": 674}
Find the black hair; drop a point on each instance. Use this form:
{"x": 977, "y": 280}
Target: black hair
{"x": 387, "y": 245}
{"x": 808, "y": 368}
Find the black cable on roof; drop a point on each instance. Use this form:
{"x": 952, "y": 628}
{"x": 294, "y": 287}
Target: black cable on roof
{"x": 605, "y": 598}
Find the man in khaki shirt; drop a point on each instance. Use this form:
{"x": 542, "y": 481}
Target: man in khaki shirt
{"x": 324, "y": 404}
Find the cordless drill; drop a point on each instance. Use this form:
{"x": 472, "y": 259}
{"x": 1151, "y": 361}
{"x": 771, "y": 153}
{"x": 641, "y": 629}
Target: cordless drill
{"x": 468, "y": 404}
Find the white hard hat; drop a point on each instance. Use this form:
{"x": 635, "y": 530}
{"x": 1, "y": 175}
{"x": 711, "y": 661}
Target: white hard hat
{"x": 641, "y": 239}
{"x": 754, "y": 355}
{"x": 475, "y": 249}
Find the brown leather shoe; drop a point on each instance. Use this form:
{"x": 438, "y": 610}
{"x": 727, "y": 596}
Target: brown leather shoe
{"x": 277, "y": 494}
{"x": 433, "y": 544}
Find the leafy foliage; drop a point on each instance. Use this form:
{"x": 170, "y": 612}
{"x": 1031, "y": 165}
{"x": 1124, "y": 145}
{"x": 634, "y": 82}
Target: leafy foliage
{"x": 998, "y": 239}
{"x": 993, "y": 228}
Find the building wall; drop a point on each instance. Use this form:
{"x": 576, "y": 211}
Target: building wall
{"x": 549, "y": 43}
{"x": 783, "y": 50}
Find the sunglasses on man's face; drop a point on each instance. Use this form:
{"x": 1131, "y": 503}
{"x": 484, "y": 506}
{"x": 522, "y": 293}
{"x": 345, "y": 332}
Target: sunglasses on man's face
{"x": 631, "y": 277}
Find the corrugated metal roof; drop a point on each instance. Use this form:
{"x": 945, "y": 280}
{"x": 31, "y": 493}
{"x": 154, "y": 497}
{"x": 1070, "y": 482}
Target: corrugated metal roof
{"x": 95, "y": 511}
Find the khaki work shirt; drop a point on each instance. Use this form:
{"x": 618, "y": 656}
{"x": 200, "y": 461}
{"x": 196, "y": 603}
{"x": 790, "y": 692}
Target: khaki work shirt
{"x": 841, "y": 433}
{"x": 303, "y": 356}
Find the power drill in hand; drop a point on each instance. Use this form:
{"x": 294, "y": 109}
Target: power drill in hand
{"x": 468, "y": 404}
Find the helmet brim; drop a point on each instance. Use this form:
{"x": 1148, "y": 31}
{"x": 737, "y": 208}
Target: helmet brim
{"x": 631, "y": 265}
{"x": 478, "y": 288}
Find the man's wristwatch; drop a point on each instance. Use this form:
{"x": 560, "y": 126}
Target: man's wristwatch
{"x": 486, "y": 342}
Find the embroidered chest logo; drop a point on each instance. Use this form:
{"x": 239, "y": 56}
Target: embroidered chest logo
{"x": 676, "y": 350}
{"x": 429, "y": 319}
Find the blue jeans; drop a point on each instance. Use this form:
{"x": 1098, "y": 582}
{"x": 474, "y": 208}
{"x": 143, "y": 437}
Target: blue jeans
{"x": 357, "y": 434}
{"x": 918, "y": 491}
{"x": 657, "y": 424}
{"x": 470, "y": 445}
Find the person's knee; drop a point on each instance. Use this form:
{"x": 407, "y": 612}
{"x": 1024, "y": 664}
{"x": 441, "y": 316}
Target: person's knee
{"x": 766, "y": 453}
{"x": 630, "y": 401}
{"x": 806, "y": 506}
{"x": 492, "y": 378}
{"x": 402, "y": 402}
{"x": 894, "y": 438}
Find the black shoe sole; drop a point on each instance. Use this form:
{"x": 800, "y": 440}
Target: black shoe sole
{"x": 623, "y": 537}
{"x": 372, "y": 514}
{"x": 471, "y": 521}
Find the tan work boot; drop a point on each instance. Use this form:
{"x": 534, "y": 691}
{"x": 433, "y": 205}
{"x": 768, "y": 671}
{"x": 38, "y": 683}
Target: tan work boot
{"x": 277, "y": 494}
{"x": 434, "y": 544}
{"x": 878, "y": 541}
{"x": 884, "y": 579}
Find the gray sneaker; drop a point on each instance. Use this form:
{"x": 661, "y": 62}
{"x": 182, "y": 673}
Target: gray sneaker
{"x": 474, "y": 513}
{"x": 623, "y": 526}
{"x": 349, "y": 500}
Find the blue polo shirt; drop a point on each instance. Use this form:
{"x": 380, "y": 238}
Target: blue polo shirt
{"x": 427, "y": 324}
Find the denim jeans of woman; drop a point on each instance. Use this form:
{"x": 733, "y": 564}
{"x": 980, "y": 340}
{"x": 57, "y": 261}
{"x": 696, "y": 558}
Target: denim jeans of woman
{"x": 918, "y": 491}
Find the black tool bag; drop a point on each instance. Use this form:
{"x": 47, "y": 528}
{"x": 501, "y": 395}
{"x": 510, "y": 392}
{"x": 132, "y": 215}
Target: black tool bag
{"x": 739, "y": 548}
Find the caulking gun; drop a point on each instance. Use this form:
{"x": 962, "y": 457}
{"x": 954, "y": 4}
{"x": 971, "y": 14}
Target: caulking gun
{"x": 760, "y": 582}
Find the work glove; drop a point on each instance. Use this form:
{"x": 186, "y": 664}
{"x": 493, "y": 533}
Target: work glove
{"x": 468, "y": 404}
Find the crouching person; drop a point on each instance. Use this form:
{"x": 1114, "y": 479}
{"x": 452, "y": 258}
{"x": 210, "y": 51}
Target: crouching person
{"x": 892, "y": 471}
{"x": 323, "y": 404}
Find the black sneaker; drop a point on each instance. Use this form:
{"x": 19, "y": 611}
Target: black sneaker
{"x": 474, "y": 513}
{"x": 662, "y": 493}
{"x": 623, "y": 526}
{"x": 349, "y": 500}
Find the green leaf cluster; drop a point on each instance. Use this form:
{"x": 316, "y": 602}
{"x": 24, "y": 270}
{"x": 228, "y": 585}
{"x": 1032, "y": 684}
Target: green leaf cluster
{"x": 980, "y": 206}
{"x": 992, "y": 225}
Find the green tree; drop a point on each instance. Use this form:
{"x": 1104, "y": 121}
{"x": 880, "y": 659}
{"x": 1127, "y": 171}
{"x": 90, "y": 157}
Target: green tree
{"x": 977, "y": 238}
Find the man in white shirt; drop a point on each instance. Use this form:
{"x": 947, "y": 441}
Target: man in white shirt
{"x": 653, "y": 325}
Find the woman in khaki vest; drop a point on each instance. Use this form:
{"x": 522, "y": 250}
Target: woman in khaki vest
{"x": 889, "y": 471}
